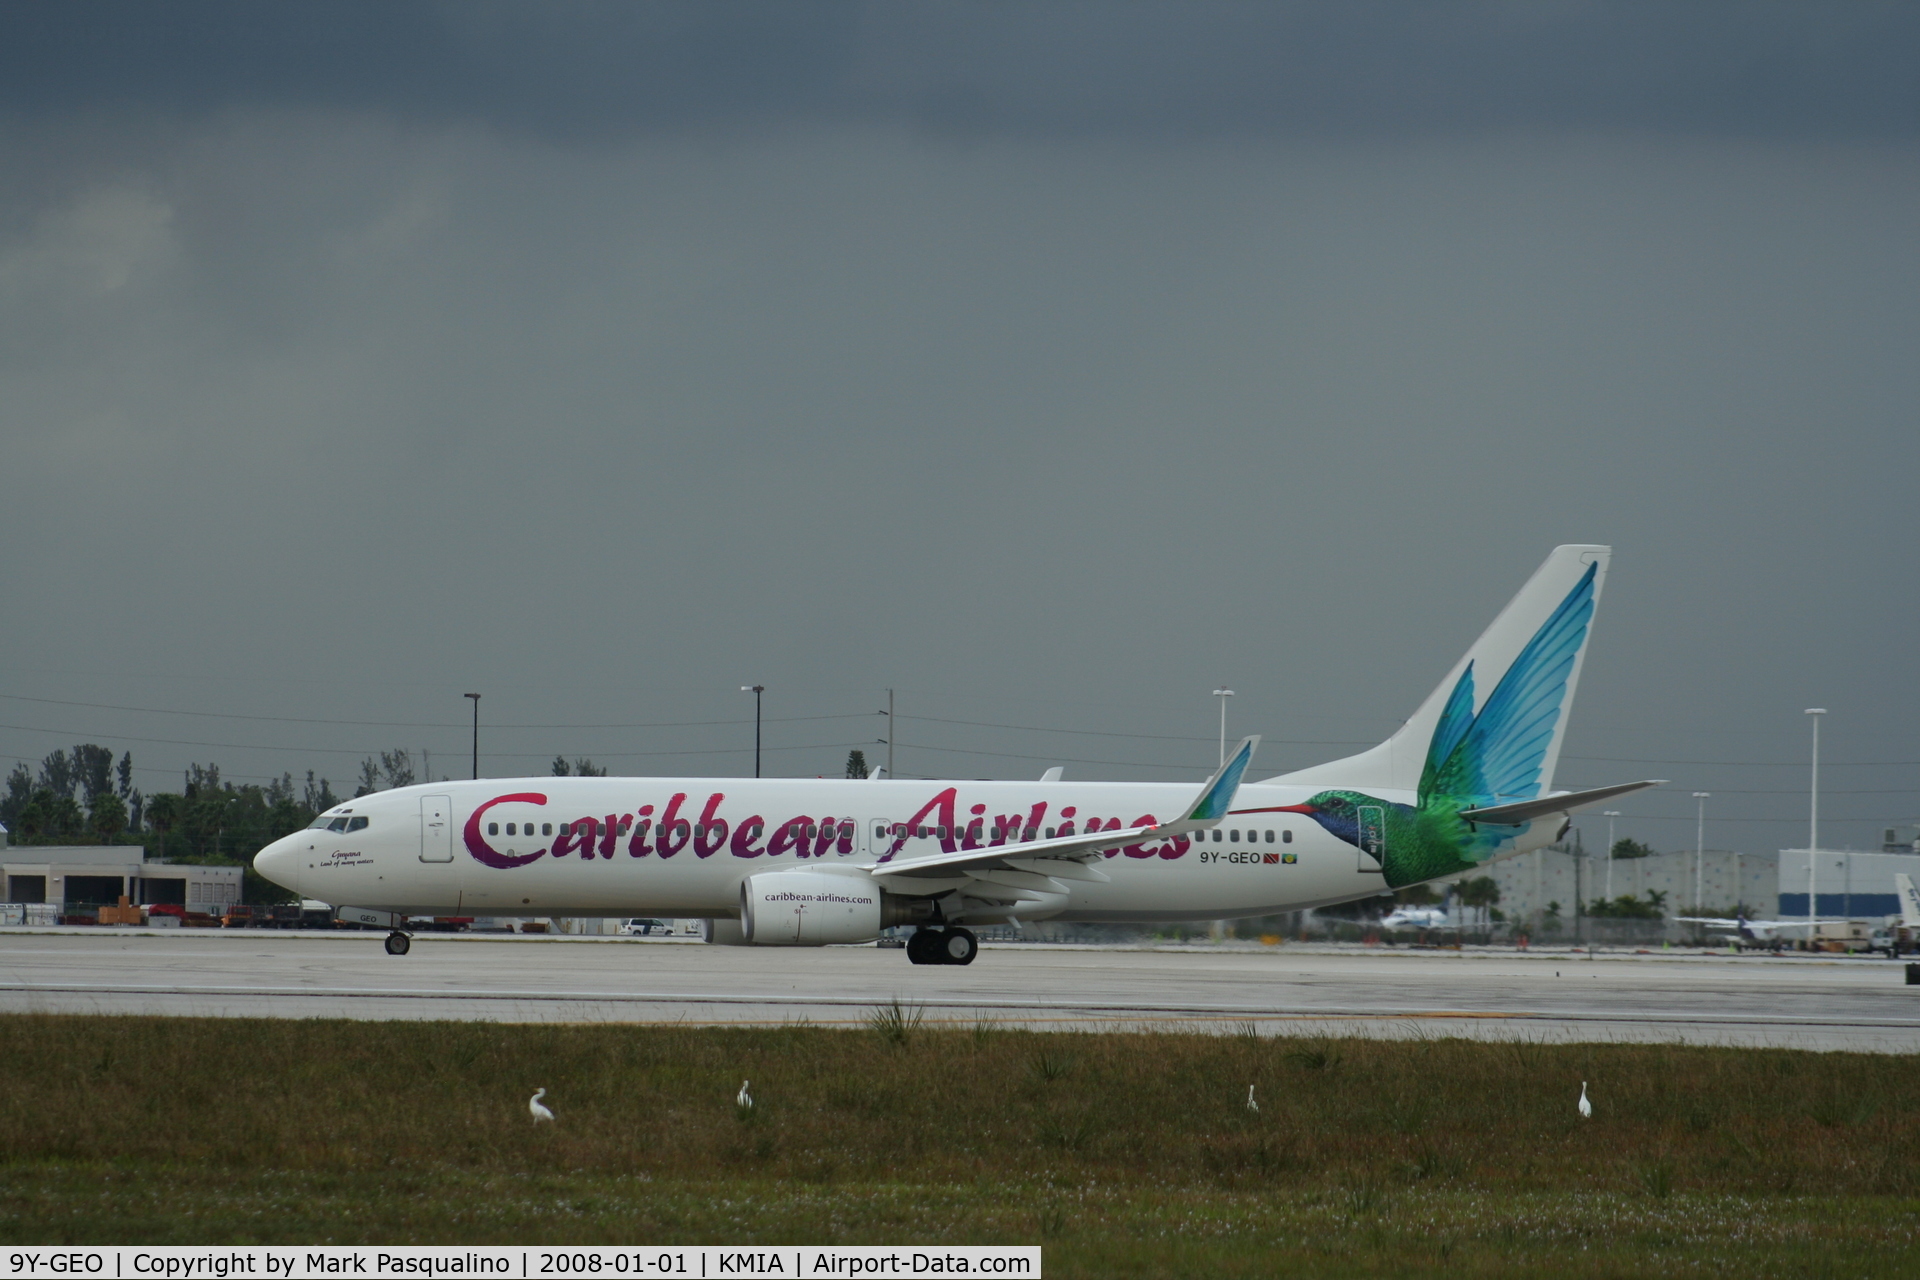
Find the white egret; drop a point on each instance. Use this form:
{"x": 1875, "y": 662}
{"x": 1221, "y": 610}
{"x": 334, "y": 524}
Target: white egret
{"x": 1586, "y": 1108}
{"x": 1251, "y": 1104}
{"x": 535, "y": 1106}
{"x": 745, "y": 1099}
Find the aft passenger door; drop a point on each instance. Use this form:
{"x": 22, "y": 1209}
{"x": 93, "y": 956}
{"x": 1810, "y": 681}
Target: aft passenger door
{"x": 436, "y": 829}
{"x": 1372, "y": 820}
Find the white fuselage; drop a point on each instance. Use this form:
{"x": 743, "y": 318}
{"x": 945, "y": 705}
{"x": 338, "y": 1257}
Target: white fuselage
{"x": 683, "y": 846}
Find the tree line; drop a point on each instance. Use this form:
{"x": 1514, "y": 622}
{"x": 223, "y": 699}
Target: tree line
{"x": 86, "y": 796}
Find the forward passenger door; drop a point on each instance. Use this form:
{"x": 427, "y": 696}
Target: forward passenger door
{"x": 436, "y": 829}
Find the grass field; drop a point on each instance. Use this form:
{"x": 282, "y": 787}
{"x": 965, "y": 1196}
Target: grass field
{"x": 1123, "y": 1154}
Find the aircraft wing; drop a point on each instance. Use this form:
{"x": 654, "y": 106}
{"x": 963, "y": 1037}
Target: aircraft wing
{"x": 1505, "y": 815}
{"x": 1206, "y": 810}
{"x": 1768, "y": 926}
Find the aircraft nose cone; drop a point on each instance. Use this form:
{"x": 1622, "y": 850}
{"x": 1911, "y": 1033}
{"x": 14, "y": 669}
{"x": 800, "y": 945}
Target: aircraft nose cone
{"x": 280, "y": 863}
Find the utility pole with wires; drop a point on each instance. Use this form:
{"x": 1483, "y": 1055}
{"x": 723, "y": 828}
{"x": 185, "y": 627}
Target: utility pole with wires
{"x": 756, "y": 690}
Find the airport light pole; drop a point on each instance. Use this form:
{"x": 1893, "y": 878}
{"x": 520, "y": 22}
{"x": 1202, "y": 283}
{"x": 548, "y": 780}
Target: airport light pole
{"x": 756, "y": 690}
{"x": 887, "y": 741}
{"x": 476, "y": 734}
{"x": 1699, "y": 848}
{"x": 1610, "y": 815}
{"x": 1219, "y": 929}
{"x": 1813, "y": 820}
{"x": 1223, "y": 695}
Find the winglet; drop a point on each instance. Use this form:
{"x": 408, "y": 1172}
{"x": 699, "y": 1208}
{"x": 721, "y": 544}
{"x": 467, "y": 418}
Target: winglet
{"x": 1216, "y": 798}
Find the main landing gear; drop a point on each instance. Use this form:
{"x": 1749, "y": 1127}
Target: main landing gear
{"x": 397, "y": 943}
{"x": 952, "y": 945}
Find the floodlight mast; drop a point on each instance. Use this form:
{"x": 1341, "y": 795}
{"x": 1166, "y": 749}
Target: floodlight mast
{"x": 1610, "y": 815}
{"x": 1223, "y": 695}
{"x": 476, "y": 735}
{"x": 1813, "y": 820}
{"x": 1699, "y": 849}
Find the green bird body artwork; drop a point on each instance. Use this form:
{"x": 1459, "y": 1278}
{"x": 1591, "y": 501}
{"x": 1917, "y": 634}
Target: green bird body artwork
{"x": 1475, "y": 759}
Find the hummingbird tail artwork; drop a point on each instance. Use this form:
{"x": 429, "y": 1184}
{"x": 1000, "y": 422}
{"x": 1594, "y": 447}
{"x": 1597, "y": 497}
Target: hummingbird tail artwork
{"x": 1464, "y": 777}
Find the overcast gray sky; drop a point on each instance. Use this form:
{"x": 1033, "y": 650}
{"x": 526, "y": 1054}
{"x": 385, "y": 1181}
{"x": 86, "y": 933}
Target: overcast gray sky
{"x": 1051, "y": 364}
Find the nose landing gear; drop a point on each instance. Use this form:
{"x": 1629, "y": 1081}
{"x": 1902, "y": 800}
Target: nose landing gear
{"x": 397, "y": 943}
{"x": 952, "y": 945}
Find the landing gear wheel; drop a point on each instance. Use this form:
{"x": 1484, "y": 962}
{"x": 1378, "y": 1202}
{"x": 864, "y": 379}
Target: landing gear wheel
{"x": 397, "y": 944}
{"x": 958, "y": 946}
{"x": 923, "y": 946}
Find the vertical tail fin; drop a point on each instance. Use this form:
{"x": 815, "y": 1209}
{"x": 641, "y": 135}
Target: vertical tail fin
{"x": 1492, "y": 729}
{"x": 1909, "y": 900}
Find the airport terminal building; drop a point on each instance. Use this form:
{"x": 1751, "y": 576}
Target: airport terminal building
{"x": 1849, "y": 884}
{"x": 70, "y": 879}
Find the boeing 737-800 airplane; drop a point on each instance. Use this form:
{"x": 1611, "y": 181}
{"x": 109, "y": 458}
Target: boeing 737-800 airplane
{"x": 811, "y": 862}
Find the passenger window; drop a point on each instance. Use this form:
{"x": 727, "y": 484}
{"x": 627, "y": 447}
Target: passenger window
{"x": 1286, "y": 837}
{"x": 1049, "y": 833}
{"x": 813, "y": 830}
{"x": 493, "y": 828}
{"x": 998, "y": 833}
{"x": 546, "y": 828}
{"x": 1236, "y": 837}
{"x": 1218, "y": 835}
{"x": 509, "y": 828}
{"x": 879, "y": 831}
{"x": 1269, "y": 837}
{"x": 846, "y": 831}
{"x": 357, "y": 824}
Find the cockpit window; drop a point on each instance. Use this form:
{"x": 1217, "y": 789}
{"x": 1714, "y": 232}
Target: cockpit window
{"x": 338, "y": 824}
{"x": 357, "y": 824}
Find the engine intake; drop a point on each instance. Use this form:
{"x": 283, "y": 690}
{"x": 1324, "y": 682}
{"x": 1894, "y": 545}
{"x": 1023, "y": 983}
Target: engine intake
{"x": 813, "y": 909}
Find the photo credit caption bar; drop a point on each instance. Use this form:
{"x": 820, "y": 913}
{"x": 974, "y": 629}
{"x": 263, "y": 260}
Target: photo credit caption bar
{"x": 287, "y": 1262}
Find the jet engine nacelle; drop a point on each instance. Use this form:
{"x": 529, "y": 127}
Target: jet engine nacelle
{"x": 813, "y": 909}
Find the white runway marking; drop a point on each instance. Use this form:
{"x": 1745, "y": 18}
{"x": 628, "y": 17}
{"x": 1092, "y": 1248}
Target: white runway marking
{"x": 1858, "y": 1005}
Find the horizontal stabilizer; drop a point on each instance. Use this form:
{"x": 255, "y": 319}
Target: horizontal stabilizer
{"x": 1508, "y": 815}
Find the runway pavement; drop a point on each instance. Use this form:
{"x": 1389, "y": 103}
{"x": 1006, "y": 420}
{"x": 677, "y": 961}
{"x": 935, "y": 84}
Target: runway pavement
{"x": 1817, "y": 1003}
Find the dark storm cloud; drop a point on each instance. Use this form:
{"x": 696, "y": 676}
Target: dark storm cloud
{"x": 587, "y": 69}
{"x": 1052, "y": 365}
